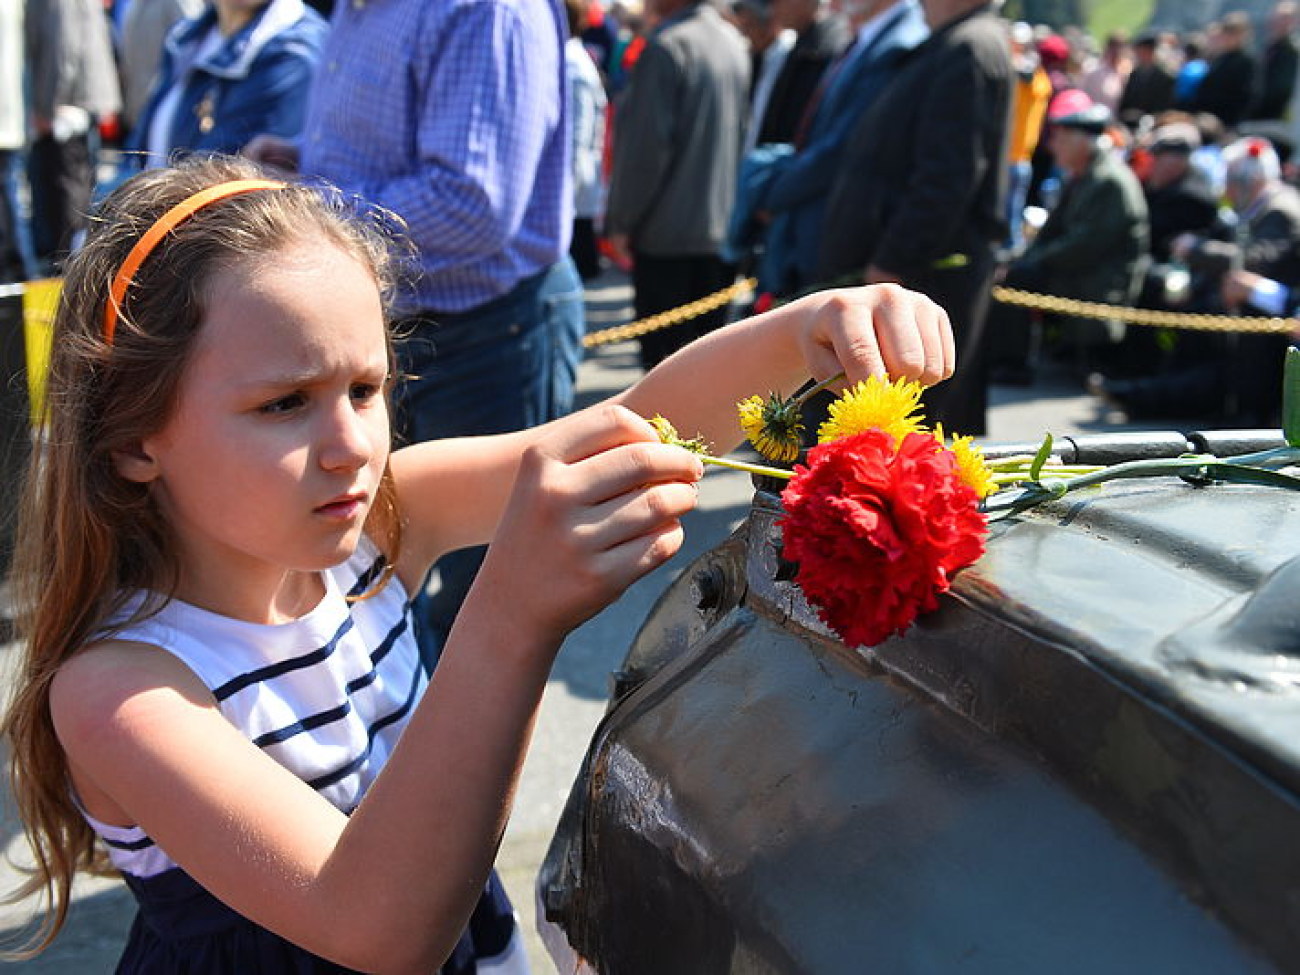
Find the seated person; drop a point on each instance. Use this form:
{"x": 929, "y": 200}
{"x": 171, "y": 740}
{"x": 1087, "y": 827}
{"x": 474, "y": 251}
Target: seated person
{"x": 1093, "y": 246}
{"x": 1236, "y": 377}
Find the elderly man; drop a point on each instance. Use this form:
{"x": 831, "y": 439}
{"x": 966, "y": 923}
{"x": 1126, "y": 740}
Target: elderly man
{"x": 919, "y": 194}
{"x": 1234, "y": 377}
{"x": 677, "y": 147}
{"x": 819, "y": 39}
{"x": 1179, "y": 198}
{"x": 1228, "y": 89}
{"x": 1278, "y": 64}
{"x": 1094, "y": 244}
{"x": 794, "y": 195}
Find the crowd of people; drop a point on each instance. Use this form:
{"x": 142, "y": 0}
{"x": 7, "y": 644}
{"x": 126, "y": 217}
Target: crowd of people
{"x": 947, "y": 148}
{"x": 1160, "y": 180}
{"x": 779, "y": 138}
{"x": 1119, "y": 174}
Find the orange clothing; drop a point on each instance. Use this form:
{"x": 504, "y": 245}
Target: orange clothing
{"x": 1028, "y": 109}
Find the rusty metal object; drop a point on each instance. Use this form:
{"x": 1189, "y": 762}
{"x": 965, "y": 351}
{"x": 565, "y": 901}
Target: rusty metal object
{"x": 1088, "y": 760}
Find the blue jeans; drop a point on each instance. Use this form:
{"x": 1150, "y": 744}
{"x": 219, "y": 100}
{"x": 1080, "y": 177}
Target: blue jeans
{"x": 509, "y": 364}
{"x": 1018, "y": 179}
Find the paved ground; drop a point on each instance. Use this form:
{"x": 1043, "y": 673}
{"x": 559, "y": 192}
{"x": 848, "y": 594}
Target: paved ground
{"x": 575, "y": 697}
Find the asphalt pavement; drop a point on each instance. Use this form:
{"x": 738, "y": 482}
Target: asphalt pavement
{"x": 575, "y": 697}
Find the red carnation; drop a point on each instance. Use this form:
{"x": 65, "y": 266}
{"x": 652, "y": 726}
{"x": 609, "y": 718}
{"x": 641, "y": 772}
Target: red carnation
{"x": 877, "y": 531}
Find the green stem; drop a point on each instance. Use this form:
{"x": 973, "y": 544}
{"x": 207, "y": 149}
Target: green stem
{"x": 1022, "y": 476}
{"x": 816, "y": 388}
{"x": 1277, "y": 457}
{"x": 1011, "y": 463}
{"x": 740, "y": 465}
{"x": 1191, "y": 465}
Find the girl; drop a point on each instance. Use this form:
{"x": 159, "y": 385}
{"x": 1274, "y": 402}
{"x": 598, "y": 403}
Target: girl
{"x": 216, "y": 554}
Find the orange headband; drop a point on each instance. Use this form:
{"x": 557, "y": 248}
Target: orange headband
{"x": 162, "y": 227}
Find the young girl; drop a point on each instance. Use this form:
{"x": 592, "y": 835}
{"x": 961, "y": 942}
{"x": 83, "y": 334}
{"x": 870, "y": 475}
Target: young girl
{"x": 220, "y": 687}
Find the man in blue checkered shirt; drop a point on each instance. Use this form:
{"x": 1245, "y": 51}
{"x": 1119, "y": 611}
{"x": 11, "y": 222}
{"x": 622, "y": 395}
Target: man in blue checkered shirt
{"x": 452, "y": 114}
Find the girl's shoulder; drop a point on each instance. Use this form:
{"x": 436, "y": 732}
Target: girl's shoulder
{"x": 110, "y": 695}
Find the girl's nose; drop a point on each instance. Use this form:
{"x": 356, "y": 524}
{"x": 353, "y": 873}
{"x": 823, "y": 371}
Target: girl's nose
{"x": 348, "y": 440}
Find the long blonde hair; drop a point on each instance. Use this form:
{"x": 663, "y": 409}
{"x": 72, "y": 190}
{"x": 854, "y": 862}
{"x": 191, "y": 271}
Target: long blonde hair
{"x": 88, "y": 538}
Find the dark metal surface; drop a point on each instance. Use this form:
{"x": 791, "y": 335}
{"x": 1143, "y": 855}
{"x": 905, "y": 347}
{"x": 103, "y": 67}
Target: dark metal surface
{"x": 1088, "y": 760}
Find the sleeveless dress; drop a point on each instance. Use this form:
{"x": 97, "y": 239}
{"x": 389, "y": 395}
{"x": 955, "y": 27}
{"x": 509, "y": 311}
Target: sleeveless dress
{"x": 327, "y": 696}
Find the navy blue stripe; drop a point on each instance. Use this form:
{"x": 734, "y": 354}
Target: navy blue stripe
{"x": 366, "y": 578}
{"x": 390, "y": 640}
{"x": 351, "y": 687}
{"x": 306, "y": 724}
{"x": 237, "y": 684}
{"x": 143, "y": 844}
{"x": 330, "y": 778}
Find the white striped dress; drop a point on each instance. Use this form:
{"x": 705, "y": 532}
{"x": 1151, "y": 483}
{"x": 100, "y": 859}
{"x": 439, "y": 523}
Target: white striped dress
{"x": 327, "y": 696}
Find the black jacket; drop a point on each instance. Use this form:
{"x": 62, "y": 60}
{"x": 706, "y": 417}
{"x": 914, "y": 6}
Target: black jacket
{"x": 1185, "y": 207}
{"x": 1277, "y": 77}
{"x": 815, "y": 48}
{"x": 1228, "y": 88}
{"x": 1148, "y": 91}
{"x": 924, "y": 174}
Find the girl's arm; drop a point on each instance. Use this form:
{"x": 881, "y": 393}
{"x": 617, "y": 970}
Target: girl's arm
{"x": 877, "y": 330}
{"x": 452, "y": 491}
{"x": 389, "y": 889}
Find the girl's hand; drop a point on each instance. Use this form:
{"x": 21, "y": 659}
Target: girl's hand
{"x": 877, "y": 330}
{"x": 595, "y": 506}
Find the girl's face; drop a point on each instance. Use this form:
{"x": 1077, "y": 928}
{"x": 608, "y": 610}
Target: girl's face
{"x": 274, "y": 454}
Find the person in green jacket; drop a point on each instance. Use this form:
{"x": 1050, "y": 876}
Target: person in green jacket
{"x": 1093, "y": 246}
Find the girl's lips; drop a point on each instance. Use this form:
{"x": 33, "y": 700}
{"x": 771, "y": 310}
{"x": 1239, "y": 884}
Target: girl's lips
{"x": 345, "y": 507}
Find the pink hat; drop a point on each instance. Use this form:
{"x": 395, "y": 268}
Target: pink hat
{"x": 1071, "y": 101}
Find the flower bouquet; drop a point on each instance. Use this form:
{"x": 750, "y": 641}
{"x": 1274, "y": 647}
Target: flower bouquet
{"x": 884, "y": 510}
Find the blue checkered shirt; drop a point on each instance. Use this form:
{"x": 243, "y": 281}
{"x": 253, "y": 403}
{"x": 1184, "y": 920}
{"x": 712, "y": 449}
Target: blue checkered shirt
{"x": 452, "y": 114}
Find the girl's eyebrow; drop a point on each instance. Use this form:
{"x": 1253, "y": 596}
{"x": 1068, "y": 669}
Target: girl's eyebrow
{"x": 306, "y": 376}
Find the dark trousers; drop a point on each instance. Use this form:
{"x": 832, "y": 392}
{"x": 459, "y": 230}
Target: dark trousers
{"x": 62, "y": 178}
{"x": 662, "y": 283}
{"x": 584, "y": 249}
{"x": 13, "y": 263}
{"x": 507, "y": 365}
{"x": 961, "y": 403}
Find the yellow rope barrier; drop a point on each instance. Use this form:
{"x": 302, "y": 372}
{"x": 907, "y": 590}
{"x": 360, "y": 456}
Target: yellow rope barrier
{"x": 1145, "y": 316}
{"x": 1193, "y": 321}
{"x": 673, "y": 316}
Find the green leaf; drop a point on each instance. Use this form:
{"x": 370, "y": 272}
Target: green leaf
{"x": 1252, "y": 475}
{"x": 1291, "y": 397}
{"x": 1040, "y": 458}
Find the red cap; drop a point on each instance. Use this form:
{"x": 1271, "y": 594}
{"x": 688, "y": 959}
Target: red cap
{"x": 1054, "y": 49}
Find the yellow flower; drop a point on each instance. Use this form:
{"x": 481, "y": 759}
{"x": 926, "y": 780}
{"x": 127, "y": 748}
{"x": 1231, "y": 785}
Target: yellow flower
{"x": 668, "y": 434}
{"x": 971, "y": 467}
{"x": 877, "y": 404}
{"x": 774, "y": 427}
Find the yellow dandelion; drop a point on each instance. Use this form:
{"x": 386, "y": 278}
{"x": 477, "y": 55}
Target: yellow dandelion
{"x": 668, "y": 434}
{"x": 774, "y": 426}
{"x": 971, "y": 466}
{"x": 877, "y": 404}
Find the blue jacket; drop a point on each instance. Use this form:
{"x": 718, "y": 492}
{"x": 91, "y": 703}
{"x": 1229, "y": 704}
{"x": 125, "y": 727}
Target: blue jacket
{"x": 256, "y": 81}
{"x": 796, "y": 193}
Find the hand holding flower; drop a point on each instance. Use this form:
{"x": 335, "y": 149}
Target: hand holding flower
{"x": 884, "y": 330}
{"x": 595, "y": 506}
